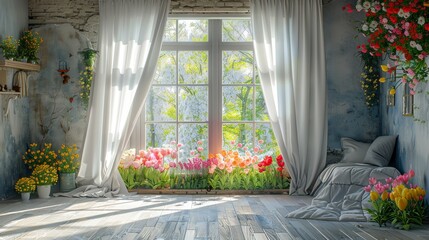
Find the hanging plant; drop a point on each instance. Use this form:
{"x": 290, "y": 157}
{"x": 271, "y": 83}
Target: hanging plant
{"x": 87, "y": 74}
{"x": 370, "y": 78}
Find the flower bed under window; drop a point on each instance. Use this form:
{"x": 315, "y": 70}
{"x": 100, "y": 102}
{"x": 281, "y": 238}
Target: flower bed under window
{"x": 239, "y": 169}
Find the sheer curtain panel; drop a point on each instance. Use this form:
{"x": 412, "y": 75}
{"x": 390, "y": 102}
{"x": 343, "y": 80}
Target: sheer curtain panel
{"x": 289, "y": 51}
{"x": 130, "y": 38}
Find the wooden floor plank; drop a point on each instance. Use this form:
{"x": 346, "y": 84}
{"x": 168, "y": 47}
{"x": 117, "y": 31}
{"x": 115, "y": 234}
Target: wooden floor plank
{"x": 180, "y": 217}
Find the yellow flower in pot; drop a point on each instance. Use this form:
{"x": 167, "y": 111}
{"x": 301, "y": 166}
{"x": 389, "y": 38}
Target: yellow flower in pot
{"x": 67, "y": 165}
{"x": 25, "y": 186}
{"x": 44, "y": 176}
{"x": 68, "y": 159}
{"x": 35, "y": 155}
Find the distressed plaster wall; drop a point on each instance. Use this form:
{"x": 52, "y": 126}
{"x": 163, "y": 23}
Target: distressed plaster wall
{"x": 348, "y": 115}
{"x": 412, "y": 150}
{"x": 56, "y": 111}
{"x": 14, "y": 130}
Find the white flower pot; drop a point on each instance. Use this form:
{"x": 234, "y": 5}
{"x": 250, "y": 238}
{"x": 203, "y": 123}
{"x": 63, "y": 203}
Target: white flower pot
{"x": 43, "y": 191}
{"x": 25, "y": 196}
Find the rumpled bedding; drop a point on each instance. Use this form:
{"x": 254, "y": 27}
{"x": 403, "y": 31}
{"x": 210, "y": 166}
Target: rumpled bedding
{"x": 339, "y": 194}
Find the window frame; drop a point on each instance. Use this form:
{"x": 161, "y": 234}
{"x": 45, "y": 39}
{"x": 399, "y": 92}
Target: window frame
{"x": 215, "y": 48}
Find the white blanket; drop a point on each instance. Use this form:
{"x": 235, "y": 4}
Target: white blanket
{"x": 339, "y": 194}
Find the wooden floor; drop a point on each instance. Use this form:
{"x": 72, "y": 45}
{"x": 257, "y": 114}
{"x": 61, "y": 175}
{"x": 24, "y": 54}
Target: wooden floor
{"x": 179, "y": 217}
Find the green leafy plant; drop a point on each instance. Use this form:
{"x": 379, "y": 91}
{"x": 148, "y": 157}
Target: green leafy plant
{"x": 29, "y": 44}
{"x": 10, "y": 47}
{"x": 87, "y": 75}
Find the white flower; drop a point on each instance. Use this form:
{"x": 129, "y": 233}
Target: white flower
{"x": 373, "y": 24}
{"x": 359, "y": 7}
{"x": 401, "y": 13}
{"x": 366, "y": 5}
{"x": 407, "y": 15}
{"x": 419, "y": 47}
{"x": 364, "y": 27}
{"x": 421, "y": 20}
{"x": 413, "y": 43}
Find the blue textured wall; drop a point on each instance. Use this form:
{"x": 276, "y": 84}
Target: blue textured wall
{"x": 348, "y": 115}
{"x": 14, "y": 127}
{"x": 412, "y": 145}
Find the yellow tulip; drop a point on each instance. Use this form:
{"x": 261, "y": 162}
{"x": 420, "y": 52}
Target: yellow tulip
{"x": 392, "y": 91}
{"x": 382, "y": 79}
{"x": 384, "y": 196}
{"x": 401, "y": 203}
{"x": 384, "y": 68}
{"x": 374, "y": 196}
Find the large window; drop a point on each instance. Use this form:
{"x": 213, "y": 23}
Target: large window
{"x": 206, "y": 92}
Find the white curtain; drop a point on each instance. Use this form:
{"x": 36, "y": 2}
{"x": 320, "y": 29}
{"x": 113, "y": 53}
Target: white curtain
{"x": 289, "y": 50}
{"x": 130, "y": 40}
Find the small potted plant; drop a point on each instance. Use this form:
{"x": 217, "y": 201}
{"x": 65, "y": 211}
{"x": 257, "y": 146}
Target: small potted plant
{"x": 25, "y": 186}
{"x": 36, "y": 155}
{"x": 67, "y": 165}
{"x": 44, "y": 176}
{"x": 29, "y": 45}
{"x": 9, "y": 47}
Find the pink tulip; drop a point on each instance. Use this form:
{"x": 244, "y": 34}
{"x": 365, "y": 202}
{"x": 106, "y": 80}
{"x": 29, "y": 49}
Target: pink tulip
{"x": 200, "y": 142}
{"x": 389, "y": 180}
{"x": 200, "y": 149}
{"x": 239, "y": 145}
{"x": 411, "y": 173}
{"x": 372, "y": 181}
{"x": 367, "y": 188}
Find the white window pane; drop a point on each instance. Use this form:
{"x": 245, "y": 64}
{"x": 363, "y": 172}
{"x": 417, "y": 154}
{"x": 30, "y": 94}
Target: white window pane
{"x": 236, "y": 30}
{"x": 193, "y": 103}
{"x": 193, "y": 67}
{"x": 189, "y": 135}
{"x": 170, "y": 31}
{"x": 161, "y": 104}
{"x": 261, "y": 109}
{"x": 193, "y": 30}
{"x": 166, "y": 68}
{"x": 237, "y": 67}
{"x": 159, "y": 134}
{"x": 266, "y": 139}
{"x": 237, "y": 104}
{"x": 238, "y": 132}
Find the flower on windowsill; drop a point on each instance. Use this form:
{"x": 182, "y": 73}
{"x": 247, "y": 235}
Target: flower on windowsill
{"x": 25, "y": 184}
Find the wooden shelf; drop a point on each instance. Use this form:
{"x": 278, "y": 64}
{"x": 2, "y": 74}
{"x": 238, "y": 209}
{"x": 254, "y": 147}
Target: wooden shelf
{"x": 10, "y": 93}
{"x": 19, "y": 65}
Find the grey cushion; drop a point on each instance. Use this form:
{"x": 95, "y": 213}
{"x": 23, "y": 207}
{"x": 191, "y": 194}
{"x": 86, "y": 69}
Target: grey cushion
{"x": 380, "y": 151}
{"x": 354, "y": 151}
